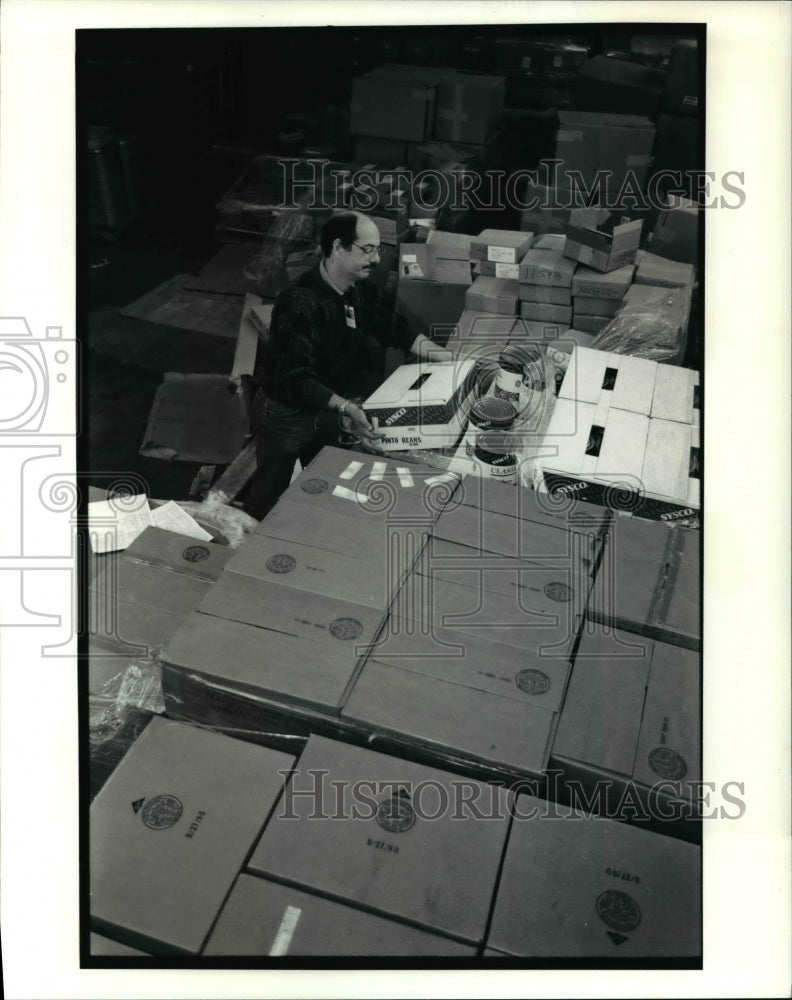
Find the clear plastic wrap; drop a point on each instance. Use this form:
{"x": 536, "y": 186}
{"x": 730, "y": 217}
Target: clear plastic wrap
{"x": 651, "y": 324}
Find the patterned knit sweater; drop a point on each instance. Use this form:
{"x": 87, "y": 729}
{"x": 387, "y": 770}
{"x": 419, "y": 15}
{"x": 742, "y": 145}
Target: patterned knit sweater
{"x": 313, "y": 351}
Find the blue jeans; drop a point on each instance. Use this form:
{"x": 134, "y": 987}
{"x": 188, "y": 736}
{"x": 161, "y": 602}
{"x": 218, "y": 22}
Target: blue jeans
{"x": 283, "y": 434}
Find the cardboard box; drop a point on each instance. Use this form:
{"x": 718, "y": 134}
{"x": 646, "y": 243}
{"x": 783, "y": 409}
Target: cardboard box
{"x": 676, "y": 232}
{"x": 179, "y": 553}
{"x": 536, "y": 542}
{"x": 438, "y": 874}
{"x": 450, "y": 246}
{"x": 362, "y": 575}
{"x": 676, "y": 394}
{"x": 545, "y": 312}
{"x": 530, "y": 666}
{"x": 340, "y": 628}
{"x": 590, "y": 324}
{"x": 420, "y": 261}
{"x": 604, "y": 84}
{"x": 454, "y": 272}
{"x": 469, "y": 107}
{"x": 263, "y": 918}
{"x": 498, "y": 295}
{"x": 350, "y": 484}
{"x": 592, "y": 306}
{"x": 599, "y": 889}
{"x": 240, "y": 667}
{"x": 615, "y": 146}
{"x": 170, "y": 830}
{"x": 654, "y": 270}
{"x": 493, "y": 269}
{"x": 603, "y": 250}
{"x": 610, "y": 380}
{"x": 431, "y": 307}
{"x": 422, "y": 405}
{"x": 680, "y": 96}
{"x": 504, "y": 246}
{"x": 136, "y": 607}
{"x": 677, "y": 148}
{"x": 611, "y": 285}
{"x": 546, "y": 294}
{"x": 394, "y": 102}
{"x": 547, "y": 267}
{"x": 631, "y": 719}
{"x": 649, "y": 581}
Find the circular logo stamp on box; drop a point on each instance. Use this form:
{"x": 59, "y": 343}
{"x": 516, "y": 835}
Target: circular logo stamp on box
{"x": 281, "y": 563}
{"x": 161, "y": 812}
{"x": 532, "y": 681}
{"x": 315, "y": 486}
{"x": 559, "y": 592}
{"x": 346, "y": 628}
{"x": 396, "y": 814}
{"x": 667, "y": 763}
{"x": 195, "y": 553}
{"x": 618, "y": 910}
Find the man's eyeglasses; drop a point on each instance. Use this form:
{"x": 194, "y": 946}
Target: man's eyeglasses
{"x": 369, "y": 249}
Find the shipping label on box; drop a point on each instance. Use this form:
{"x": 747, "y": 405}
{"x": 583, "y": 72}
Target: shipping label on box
{"x": 423, "y": 405}
{"x": 263, "y": 918}
{"x": 501, "y": 246}
{"x": 416, "y": 260}
{"x": 547, "y": 267}
{"x": 545, "y": 312}
{"x": 384, "y": 853}
{"x": 611, "y": 285}
{"x": 173, "y": 824}
{"x": 498, "y": 295}
{"x": 251, "y": 666}
{"x": 598, "y": 889}
{"x": 449, "y": 718}
{"x": 493, "y": 269}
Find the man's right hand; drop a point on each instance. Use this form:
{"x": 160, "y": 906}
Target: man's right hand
{"x": 361, "y": 424}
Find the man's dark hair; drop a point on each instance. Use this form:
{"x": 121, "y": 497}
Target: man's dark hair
{"x": 340, "y": 227}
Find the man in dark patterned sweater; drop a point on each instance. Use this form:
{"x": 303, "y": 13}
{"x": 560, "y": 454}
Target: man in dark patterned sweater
{"x": 316, "y": 357}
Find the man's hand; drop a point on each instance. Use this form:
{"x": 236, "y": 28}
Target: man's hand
{"x": 361, "y": 424}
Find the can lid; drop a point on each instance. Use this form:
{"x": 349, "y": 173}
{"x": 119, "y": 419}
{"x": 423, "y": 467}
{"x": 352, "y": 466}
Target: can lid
{"x": 493, "y": 412}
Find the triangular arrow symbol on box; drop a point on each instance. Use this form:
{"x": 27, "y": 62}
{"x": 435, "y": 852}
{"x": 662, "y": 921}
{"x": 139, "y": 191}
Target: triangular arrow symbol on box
{"x": 617, "y": 938}
{"x": 137, "y": 805}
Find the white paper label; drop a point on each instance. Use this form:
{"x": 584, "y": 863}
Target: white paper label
{"x": 526, "y": 63}
{"x": 405, "y": 478}
{"x": 288, "y": 925}
{"x": 115, "y": 524}
{"x": 558, "y": 61}
{"x": 409, "y": 258}
{"x": 507, "y": 270}
{"x": 342, "y": 491}
{"x": 352, "y": 469}
{"x": 171, "y": 517}
{"x": 505, "y": 255}
{"x": 378, "y": 471}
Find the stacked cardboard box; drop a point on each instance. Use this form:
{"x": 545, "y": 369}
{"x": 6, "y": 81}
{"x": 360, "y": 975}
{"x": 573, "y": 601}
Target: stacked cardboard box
{"x": 481, "y": 334}
{"x": 630, "y": 722}
{"x": 424, "y": 261}
{"x": 388, "y": 836}
{"x": 680, "y": 96}
{"x": 496, "y": 295}
{"x": 545, "y": 284}
{"x": 170, "y": 832}
{"x": 395, "y": 101}
{"x": 273, "y": 629}
{"x": 617, "y": 147}
{"x": 623, "y": 433}
{"x": 469, "y": 108}
{"x": 141, "y": 596}
{"x": 617, "y": 86}
{"x": 676, "y": 233}
{"x": 606, "y": 246}
{"x": 598, "y": 889}
{"x": 598, "y": 296}
{"x": 652, "y": 269}
{"x": 499, "y": 252}
{"x": 649, "y": 583}
{"x": 265, "y": 918}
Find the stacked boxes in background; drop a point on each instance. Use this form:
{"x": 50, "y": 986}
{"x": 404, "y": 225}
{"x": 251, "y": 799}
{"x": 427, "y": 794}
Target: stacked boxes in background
{"x": 624, "y": 432}
{"x": 618, "y": 87}
{"x": 615, "y": 146}
{"x": 545, "y": 283}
